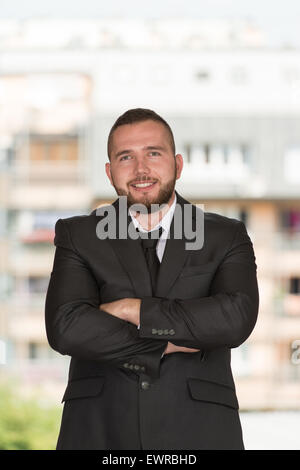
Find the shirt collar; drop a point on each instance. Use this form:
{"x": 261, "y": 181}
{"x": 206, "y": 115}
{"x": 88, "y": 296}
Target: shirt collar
{"x": 165, "y": 222}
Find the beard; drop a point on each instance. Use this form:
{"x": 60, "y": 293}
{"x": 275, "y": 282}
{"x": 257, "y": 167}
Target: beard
{"x": 164, "y": 195}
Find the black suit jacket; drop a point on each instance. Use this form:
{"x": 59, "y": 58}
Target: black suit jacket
{"x": 121, "y": 394}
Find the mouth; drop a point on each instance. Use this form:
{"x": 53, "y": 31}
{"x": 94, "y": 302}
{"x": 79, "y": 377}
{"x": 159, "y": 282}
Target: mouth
{"x": 146, "y": 186}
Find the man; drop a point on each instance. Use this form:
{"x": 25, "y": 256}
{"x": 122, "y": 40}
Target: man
{"x": 150, "y": 343}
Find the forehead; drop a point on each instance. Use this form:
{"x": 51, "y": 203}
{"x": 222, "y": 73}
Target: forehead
{"x": 140, "y": 134}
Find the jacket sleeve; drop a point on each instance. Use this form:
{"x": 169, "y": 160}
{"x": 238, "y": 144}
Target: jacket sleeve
{"x": 223, "y": 319}
{"x": 77, "y": 327}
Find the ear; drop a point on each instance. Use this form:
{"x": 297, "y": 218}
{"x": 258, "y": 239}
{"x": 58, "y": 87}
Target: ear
{"x": 107, "y": 171}
{"x": 179, "y": 165}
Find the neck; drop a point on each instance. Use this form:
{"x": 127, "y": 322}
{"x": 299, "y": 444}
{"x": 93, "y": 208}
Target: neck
{"x": 148, "y": 221}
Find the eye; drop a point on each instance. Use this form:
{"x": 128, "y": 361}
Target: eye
{"x": 156, "y": 153}
{"x": 125, "y": 157}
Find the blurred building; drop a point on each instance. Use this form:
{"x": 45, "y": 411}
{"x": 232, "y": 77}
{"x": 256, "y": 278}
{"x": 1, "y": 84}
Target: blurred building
{"x": 234, "y": 108}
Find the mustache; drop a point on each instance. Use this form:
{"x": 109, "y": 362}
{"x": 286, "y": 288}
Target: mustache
{"x": 143, "y": 180}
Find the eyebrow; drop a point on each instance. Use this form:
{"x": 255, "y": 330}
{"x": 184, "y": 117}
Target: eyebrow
{"x": 149, "y": 147}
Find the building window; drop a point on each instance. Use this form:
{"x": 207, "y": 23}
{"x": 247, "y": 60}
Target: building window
{"x": 246, "y": 154}
{"x": 202, "y": 75}
{"x": 53, "y": 148}
{"x": 290, "y": 221}
{"x": 7, "y": 155}
{"x": 294, "y": 285}
{"x": 32, "y": 350}
{"x": 38, "y": 227}
{"x": 227, "y": 159}
{"x": 221, "y": 154}
{"x": 38, "y": 284}
{"x": 37, "y": 350}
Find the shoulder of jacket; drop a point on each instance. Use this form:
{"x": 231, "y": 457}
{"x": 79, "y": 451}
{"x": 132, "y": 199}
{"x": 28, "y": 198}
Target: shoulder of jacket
{"x": 211, "y": 218}
{"x": 72, "y": 231}
{"x": 220, "y": 222}
{"x": 76, "y": 222}
{"x": 75, "y": 219}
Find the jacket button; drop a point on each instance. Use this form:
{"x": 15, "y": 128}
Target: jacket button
{"x": 166, "y": 332}
{"x": 126, "y": 364}
{"x": 145, "y": 385}
{"x": 159, "y": 332}
{"x": 171, "y": 332}
{"x": 136, "y": 366}
{"x": 154, "y": 331}
{"x": 143, "y": 368}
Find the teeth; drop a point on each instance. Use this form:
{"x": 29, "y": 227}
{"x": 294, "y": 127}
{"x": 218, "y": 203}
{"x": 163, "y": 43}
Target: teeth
{"x": 142, "y": 185}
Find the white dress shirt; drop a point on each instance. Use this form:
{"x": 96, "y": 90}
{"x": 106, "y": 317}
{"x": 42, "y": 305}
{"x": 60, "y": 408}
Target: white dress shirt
{"x": 165, "y": 223}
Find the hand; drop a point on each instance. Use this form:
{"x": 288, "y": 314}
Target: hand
{"x": 125, "y": 309}
{"x": 171, "y": 348}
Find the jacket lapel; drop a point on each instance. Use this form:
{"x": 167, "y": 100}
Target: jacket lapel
{"x": 131, "y": 256}
{"x": 175, "y": 253}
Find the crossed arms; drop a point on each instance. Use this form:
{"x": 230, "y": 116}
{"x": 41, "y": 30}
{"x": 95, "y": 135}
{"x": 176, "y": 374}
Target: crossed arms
{"x": 129, "y": 310}
{"x": 78, "y": 326}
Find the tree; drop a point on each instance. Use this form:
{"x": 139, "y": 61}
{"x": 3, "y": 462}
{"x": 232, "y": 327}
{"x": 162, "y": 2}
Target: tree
{"x": 26, "y": 424}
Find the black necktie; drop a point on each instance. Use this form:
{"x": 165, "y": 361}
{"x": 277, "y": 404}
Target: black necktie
{"x": 149, "y": 247}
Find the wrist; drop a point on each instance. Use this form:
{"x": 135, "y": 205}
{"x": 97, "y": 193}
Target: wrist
{"x": 131, "y": 311}
{"x": 171, "y": 348}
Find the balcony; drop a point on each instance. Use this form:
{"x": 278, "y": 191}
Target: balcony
{"x": 41, "y": 185}
{"x": 60, "y": 172}
{"x": 32, "y": 261}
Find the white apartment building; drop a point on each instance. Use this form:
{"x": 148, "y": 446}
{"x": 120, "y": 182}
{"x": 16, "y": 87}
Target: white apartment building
{"x": 234, "y": 107}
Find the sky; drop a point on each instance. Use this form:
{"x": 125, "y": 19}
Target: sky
{"x": 278, "y": 18}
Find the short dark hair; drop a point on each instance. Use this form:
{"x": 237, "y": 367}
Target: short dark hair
{"x": 138, "y": 115}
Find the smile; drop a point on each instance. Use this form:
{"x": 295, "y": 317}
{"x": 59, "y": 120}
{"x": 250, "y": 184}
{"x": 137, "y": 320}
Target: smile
{"x": 144, "y": 185}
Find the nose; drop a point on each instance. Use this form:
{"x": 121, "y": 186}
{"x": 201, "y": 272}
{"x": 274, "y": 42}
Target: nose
{"x": 141, "y": 165}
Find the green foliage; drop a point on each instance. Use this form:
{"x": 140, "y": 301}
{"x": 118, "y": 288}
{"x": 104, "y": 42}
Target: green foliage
{"x": 26, "y": 424}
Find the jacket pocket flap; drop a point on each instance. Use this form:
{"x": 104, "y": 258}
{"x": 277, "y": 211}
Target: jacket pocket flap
{"x": 87, "y": 387}
{"x": 213, "y": 392}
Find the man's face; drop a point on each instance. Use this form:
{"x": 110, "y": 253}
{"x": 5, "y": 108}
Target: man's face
{"x": 142, "y": 165}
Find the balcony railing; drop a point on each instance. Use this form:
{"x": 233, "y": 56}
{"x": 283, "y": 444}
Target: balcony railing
{"x": 58, "y": 171}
